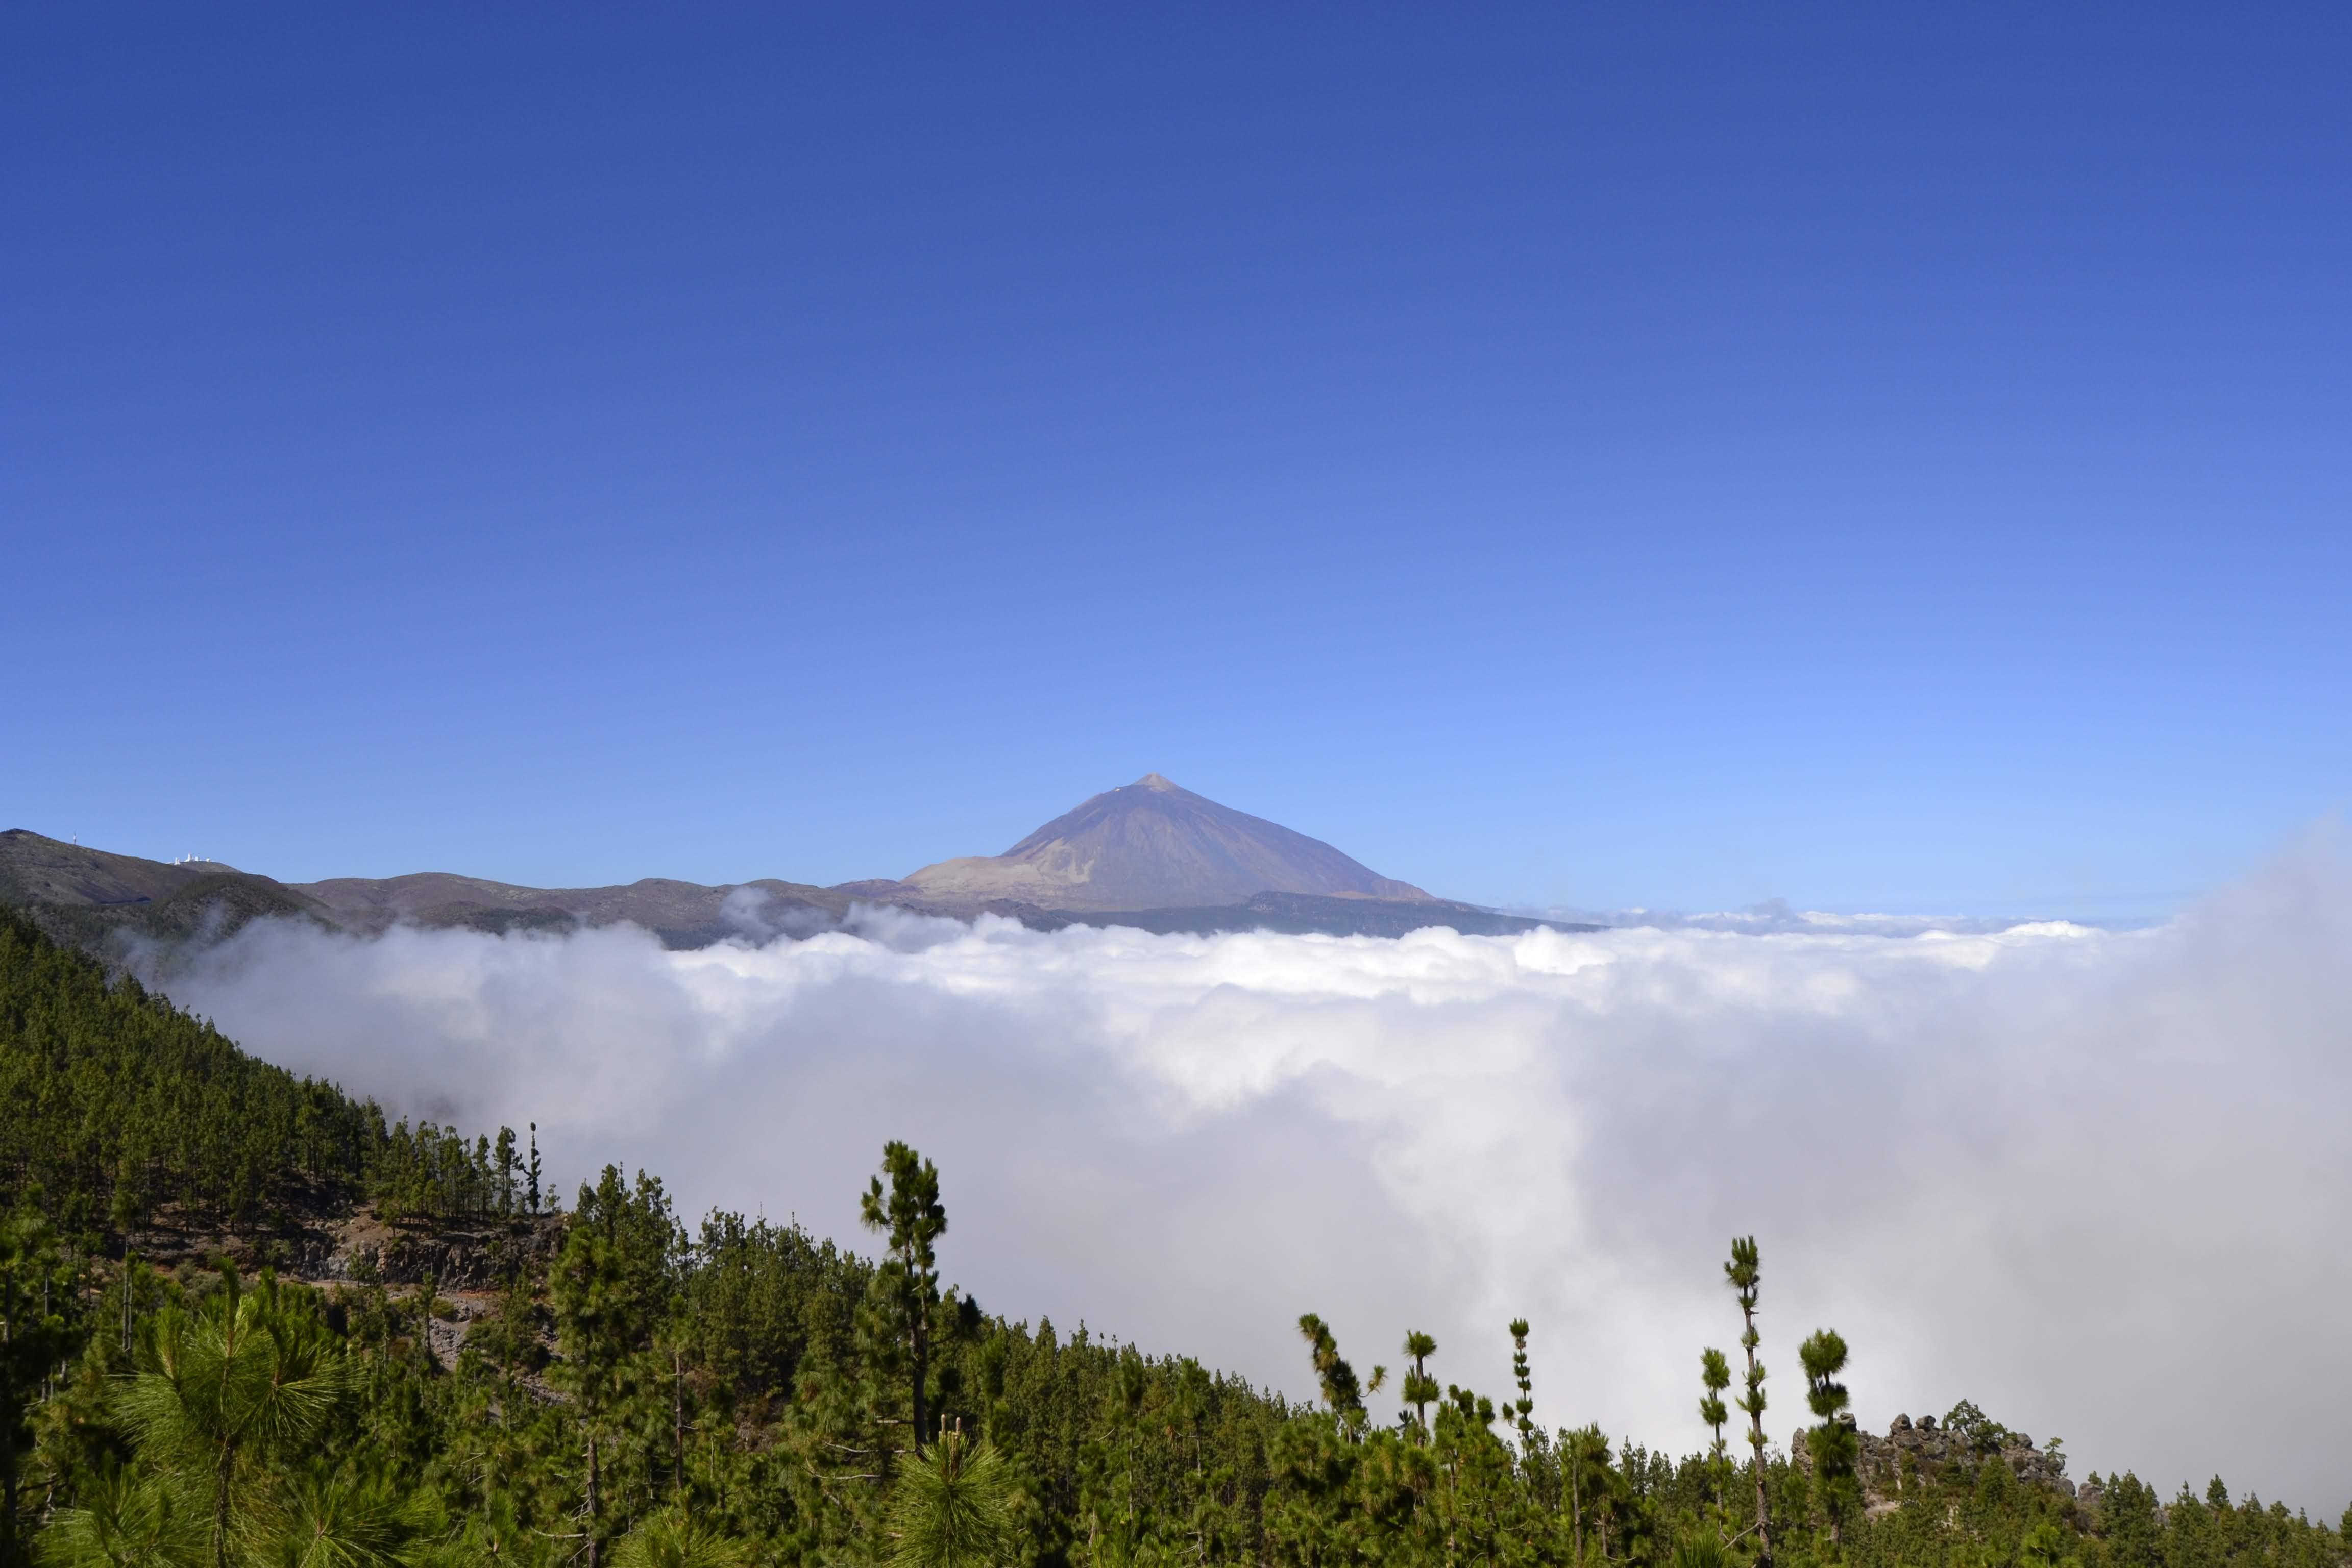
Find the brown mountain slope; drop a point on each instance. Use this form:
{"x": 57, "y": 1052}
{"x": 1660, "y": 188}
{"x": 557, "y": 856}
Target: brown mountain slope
{"x": 683, "y": 914}
{"x": 1151, "y": 845}
{"x": 1148, "y": 854}
{"x": 52, "y": 871}
{"x": 84, "y": 896}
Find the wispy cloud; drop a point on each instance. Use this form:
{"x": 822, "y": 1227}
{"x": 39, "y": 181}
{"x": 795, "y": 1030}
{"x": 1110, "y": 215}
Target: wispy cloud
{"x": 2094, "y": 1181}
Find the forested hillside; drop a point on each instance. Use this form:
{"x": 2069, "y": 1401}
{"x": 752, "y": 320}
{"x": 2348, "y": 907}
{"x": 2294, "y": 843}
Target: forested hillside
{"x": 614, "y": 1387}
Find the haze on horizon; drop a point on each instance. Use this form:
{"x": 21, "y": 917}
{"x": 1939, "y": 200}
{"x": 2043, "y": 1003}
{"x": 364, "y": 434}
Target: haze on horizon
{"x": 1886, "y": 462}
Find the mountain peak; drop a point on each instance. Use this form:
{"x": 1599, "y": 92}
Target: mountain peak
{"x": 1154, "y": 845}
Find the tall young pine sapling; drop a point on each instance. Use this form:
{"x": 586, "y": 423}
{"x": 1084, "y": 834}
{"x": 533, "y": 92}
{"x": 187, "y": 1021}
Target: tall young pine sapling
{"x": 1341, "y": 1391}
{"x": 1584, "y": 1455}
{"x": 1743, "y": 1274}
{"x": 34, "y": 1341}
{"x": 242, "y": 1382}
{"x": 910, "y": 1215}
{"x": 1834, "y": 1443}
{"x": 1419, "y": 1389}
{"x": 506, "y": 1168}
{"x": 1524, "y": 1407}
{"x": 1129, "y": 1387}
{"x": 1714, "y": 1376}
{"x": 953, "y": 1509}
{"x": 610, "y": 1287}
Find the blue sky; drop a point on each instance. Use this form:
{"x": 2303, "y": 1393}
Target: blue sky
{"x": 1560, "y": 455}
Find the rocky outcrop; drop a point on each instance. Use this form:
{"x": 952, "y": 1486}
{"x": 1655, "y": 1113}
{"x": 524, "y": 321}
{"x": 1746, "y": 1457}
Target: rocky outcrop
{"x": 1932, "y": 1447}
{"x": 1916, "y": 1451}
{"x": 367, "y": 1249}
{"x": 353, "y": 1245}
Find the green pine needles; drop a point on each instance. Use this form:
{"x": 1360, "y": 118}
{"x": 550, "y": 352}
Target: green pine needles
{"x": 952, "y": 1508}
{"x": 230, "y": 1392}
{"x": 1834, "y": 1445}
{"x": 907, "y": 1285}
{"x": 1745, "y": 1273}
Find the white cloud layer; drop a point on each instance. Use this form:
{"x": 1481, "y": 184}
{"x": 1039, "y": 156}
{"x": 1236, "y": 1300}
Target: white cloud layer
{"x": 2099, "y": 1183}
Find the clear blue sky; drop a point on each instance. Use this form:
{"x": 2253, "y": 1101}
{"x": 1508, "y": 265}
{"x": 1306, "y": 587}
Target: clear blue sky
{"x": 1558, "y": 454}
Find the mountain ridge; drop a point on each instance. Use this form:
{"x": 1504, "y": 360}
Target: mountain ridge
{"x": 1149, "y": 855}
{"x": 1153, "y": 843}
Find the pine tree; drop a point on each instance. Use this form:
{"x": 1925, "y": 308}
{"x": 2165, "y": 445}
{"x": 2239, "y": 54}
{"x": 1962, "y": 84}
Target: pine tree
{"x": 125, "y": 1519}
{"x": 327, "y": 1522}
{"x": 1130, "y": 1384}
{"x": 1341, "y": 1390}
{"x": 952, "y": 1508}
{"x": 1524, "y": 1407}
{"x": 908, "y": 1284}
{"x": 1744, "y": 1273}
{"x": 674, "y": 1537}
{"x": 1419, "y": 1389}
{"x": 1584, "y": 1455}
{"x": 1189, "y": 1403}
{"x": 611, "y": 1287}
{"x": 506, "y": 1172}
{"x": 246, "y": 1378}
{"x": 34, "y": 1336}
{"x": 1834, "y": 1443}
{"x": 1714, "y": 1376}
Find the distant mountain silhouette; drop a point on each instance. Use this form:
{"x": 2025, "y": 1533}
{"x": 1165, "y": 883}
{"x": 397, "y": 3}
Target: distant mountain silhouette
{"x": 1148, "y": 855}
{"x": 1151, "y": 845}
{"x": 88, "y": 896}
{"x": 683, "y": 914}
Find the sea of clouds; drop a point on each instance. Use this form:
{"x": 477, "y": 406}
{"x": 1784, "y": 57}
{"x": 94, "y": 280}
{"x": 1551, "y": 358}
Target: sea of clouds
{"x": 2100, "y": 1182}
